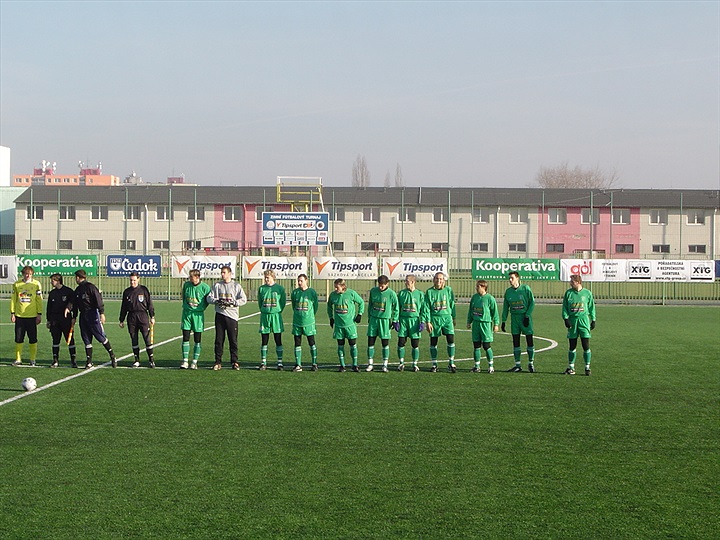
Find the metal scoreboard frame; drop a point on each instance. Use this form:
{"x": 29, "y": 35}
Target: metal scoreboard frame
{"x": 295, "y": 229}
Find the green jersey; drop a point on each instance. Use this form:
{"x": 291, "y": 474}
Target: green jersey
{"x": 483, "y": 308}
{"x": 440, "y": 304}
{"x": 271, "y": 298}
{"x": 412, "y": 304}
{"x": 383, "y": 304}
{"x": 518, "y": 302}
{"x": 194, "y": 297}
{"x": 578, "y": 306}
{"x": 305, "y": 305}
{"x": 344, "y": 306}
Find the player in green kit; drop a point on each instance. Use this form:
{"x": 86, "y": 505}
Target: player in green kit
{"x": 382, "y": 314}
{"x": 483, "y": 318}
{"x": 304, "y": 302}
{"x": 271, "y": 300}
{"x": 345, "y": 308}
{"x": 578, "y": 312}
{"x": 440, "y": 302}
{"x": 194, "y": 303}
{"x": 413, "y": 311}
{"x": 520, "y": 303}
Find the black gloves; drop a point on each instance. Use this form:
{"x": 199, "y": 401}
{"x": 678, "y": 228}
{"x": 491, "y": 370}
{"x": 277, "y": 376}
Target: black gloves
{"x": 592, "y": 325}
{"x": 526, "y": 321}
{"x": 358, "y": 318}
{"x": 502, "y": 327}
{"x": 332, "y": 323}
{"x": 567, "y": 323}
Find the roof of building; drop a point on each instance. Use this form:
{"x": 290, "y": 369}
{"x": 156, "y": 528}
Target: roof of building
{"x": 350, "y": 196}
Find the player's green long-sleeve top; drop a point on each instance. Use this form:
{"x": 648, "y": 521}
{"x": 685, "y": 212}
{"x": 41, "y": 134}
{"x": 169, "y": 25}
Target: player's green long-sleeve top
{"x": 271, "y": 298}
{"x": 344, "y": 306}
{"x": 518, "y": 302}
{"x": 412, "y": 304}
{"x": 383, "y": 304}
{"x": 305, "y": 306}
{"x": 483, "y": 308}
{"x": 440, "y": 304}
{"x": 579, "y": 306}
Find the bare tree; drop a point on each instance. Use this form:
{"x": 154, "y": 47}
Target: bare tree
{"x": 562, "y": 176}
{"x": 386, "y": 183}
{"x": 360, "y": 173}
{"x": 399, "y": 181}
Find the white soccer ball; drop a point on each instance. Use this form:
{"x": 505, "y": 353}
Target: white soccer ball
{"x": 29, "y": 384}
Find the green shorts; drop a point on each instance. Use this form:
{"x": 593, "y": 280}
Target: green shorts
{"x": 482, "y": 332}
{"x": 304, "y": 330}
{"x": 195, "y": 322}
{"x": 442, "y": 327}
{"x": 271, "y": 323}
{"x": 409, "y": 327}
{"x": 378, "y": 328}
{"x": 345, "y": 332}
{"x": 516, "y": 325}
{"x": 579, "y": 328}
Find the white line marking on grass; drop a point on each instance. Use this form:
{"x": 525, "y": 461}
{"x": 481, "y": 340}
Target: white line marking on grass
{"x": 87, "y": 371}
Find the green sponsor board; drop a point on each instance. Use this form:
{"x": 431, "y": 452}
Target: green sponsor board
{"x": 47, "y": 265}
{"x": 548, "y": 269}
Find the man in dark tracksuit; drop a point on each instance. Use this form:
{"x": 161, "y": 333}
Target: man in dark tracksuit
{"x": 138, "y": 307}
{"x": 59, "y": 324}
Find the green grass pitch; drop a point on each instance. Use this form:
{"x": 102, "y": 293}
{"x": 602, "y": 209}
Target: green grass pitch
{"x": 630, "y": 452}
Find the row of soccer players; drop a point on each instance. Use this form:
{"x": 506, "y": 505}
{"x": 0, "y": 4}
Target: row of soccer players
{"x": 408, "y": 312}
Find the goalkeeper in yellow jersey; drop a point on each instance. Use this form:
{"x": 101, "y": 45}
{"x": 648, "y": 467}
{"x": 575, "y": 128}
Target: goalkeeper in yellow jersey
{"x": 26, "y": 312}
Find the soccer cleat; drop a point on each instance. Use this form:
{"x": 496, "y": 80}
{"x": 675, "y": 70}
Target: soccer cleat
{"x": 217, "y": 366}
{"x": 569, "y": 371}
{"x": 341, "y": 369}
{"x": 314, "y": 367}
{"x": 401, "y": 367}
{"x": 384, "y": 369}
{"x": 136, "y": 363}
{"x": 54, "y": 363}
{"x": 17, "y": 363}
{"x": 415, "y": 369}
{"x": 152, "y": 364}
{"x": 297, "y": 369}
{"x": 433, "y": 369}
{"x": 356, "y": 369}
{"x": 235, "y": 366}
{"x": 32, "y": 363}
{"x": 279, "y": 367}
{"x": 88, "y": 365}
{"x": 476, "y": 370}
{"x": 113, "y": 361}
{"x": 514, "y": 369}
{"x": 587, "y": 371}
{"x": 262, "y": 367}
{"x": 369, "y": 368}
{"x": 491, "y": 369}
{"x": 73, "y": 364}
{"x": 184, "y": 364}
{"x": 452, "y": 368}
{"x": 531, "y": 368}
{"x": 193, "y": 365}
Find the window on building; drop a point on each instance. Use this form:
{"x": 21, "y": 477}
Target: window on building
{"x": 99, "y": 213}
{"x": 161, "y": 244}
{"x": 585, "y": 216}
{"x": 555, "y": 248}
{"x": 481, "y": 215}
{"x": 518, "y": 215}
{"x": 128, "y": 245}
{"x": 624, "y": 248}
{"x": 621, "y": 216}
{"x": 64, "y": 244}
{"x": 369, "y": 246}
{"x": 479, "y": 246}
{"x": 67, "y": 213}
{"x": 661, "y": 248}
{"x": 658, "y": 217}
{"x": 338, "y": 246}
{"x": 440, "y": 214}
{"x": 405, "y": 246}
{"x": 232, "y": 213}
{"x": 32, "y": 244}
{"x": 34, "y": 212}
{"x": 517, "y": 247}
{"x": 94, "y": 245}
{"x": 697, "y": 248}
{"x": 260, "y": 209}
{"x": 371, "y": 214}
{"x": 190, "y": 245}
{"x": 163, "y": 213}
{"x": 694, "y": 217}
{"x": 336, "y": 213}
{"x": 406, "y": 215}
{"x": 132, "y": 213}
{"x": 440, "y": 246}
{"x": 196, "y": 213}
{"x": 229, "y": 245}
{"x": 557, "y": 216}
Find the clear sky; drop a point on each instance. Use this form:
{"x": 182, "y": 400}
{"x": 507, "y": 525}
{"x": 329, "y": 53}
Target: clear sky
{"x": 456, "y": 93}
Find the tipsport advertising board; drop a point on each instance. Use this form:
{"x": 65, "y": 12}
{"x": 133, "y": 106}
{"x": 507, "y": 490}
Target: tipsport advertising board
{"x": 345, "y": 267}
{"x": 209, "y": 265}
{"x": 144, "y": 265}
{"x": 284, "y": 267}
{"x": 295, "y": 228}
{"x": 47, "y": 265}
{"x": 398, "y": 268}
{"x": 538, "y": 269}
